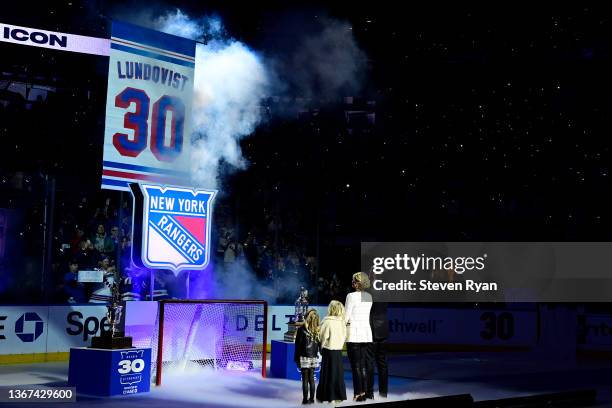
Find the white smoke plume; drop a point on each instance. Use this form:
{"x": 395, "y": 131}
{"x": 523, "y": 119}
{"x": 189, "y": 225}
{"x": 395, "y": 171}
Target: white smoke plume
{"x": 229, "y": 85}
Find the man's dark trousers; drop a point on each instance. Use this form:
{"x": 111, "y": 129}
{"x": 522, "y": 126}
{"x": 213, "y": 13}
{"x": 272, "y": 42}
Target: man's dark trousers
{"x": 377, "y": 353}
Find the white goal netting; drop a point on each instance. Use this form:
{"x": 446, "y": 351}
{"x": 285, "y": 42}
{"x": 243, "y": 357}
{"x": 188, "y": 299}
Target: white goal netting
{"x": 211, "y": 334}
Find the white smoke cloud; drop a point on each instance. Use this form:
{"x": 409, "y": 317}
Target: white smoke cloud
{"x": 230, "y": 82}
{"x": 180, "y": 24}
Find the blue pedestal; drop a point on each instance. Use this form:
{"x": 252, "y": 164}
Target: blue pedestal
{"x": 282, "y": 364}
{"x": 110, "y": 372}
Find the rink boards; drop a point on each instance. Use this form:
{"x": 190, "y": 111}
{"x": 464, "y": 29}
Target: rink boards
{"x": 46, "y": 333}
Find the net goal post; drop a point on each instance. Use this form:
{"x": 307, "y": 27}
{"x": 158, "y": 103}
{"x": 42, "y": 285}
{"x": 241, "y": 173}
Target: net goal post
{"x": 209, "y": 334}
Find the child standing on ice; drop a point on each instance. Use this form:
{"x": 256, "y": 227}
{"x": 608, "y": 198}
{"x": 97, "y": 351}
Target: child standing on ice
{"x": 333, "y": 334}
{"x": 306, "y": 354}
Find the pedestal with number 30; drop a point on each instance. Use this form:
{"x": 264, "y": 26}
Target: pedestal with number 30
{"x": 110, "y": 372}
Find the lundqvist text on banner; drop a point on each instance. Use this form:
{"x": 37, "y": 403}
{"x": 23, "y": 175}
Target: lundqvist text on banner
{"x": 171, "y": 227}
{"x": 148, "y": 108}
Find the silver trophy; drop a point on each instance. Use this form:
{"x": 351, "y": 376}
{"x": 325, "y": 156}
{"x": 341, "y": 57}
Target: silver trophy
{"x": 301, "y": 305}
{"x": 114, "y": 338}
{"x": 114, "y": 310}
{"x": 301, "y": 308}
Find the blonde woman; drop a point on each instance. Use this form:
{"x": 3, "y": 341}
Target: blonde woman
{"x": 306, "y": 354}
{"x": 333, "y": 333}
{"x": 359, "y": 339}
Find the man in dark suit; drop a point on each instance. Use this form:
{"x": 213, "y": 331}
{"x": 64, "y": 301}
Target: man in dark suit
{"x": 377, "y": 354}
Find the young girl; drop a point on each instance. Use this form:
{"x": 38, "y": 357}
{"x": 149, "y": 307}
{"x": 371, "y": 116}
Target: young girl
{"x": 333, "y": 333}
{"x": 306, "y": 353}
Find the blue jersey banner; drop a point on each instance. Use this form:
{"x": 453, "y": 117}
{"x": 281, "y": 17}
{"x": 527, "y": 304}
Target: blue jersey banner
{"x": 171, "y": 227}
{"x": 148, "y": 108}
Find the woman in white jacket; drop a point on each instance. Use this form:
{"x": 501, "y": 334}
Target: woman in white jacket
{"x": 357, "y": 316}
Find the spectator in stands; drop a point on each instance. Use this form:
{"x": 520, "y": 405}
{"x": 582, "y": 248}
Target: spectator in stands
{"x": 321, "y": 288}
{"x": 125, "y": 243}
{"x": 108, "y": 210}
{"x": 76, "y": 240}
{"x": 82, "y": 211}
{"x": 105, "y": 263}
{"x": 125, "y": 253}
{"x": 102, "y": 292}
{"x": 163, "y": 280}
{"x": 74, "y": 290}
{"x": 126, "y": 224}
{"x": 114, "y": 237}
{"x": 87, "y": 254}
{"x": 98, "y": 218}
{"x": 102, "y": 242}
{"x": 135, "y": 284}
{"x": 131, "y": 289}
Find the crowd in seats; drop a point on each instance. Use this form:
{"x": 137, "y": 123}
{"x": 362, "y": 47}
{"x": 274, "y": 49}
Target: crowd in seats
{"x": 89, "y": 235}
{"x": 95, "y": 233}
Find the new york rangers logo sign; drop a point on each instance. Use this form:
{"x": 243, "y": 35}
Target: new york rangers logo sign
{"x": 174, "y": 227}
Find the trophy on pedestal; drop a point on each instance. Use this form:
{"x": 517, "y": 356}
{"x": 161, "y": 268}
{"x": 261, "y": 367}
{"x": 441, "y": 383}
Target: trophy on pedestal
{"x": 115, "y": 337}
{"x": 301, "y": 307}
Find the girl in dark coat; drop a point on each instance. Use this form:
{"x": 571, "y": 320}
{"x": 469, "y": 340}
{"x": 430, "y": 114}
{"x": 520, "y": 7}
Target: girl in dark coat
{"x": 306, "y": 354}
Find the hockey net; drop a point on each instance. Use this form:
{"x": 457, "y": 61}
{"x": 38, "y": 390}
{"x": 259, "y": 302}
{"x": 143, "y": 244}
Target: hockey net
{"x": 209, "y": 334}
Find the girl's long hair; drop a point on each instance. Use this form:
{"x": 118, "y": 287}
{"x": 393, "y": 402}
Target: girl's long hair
{"x": 311, "y": 323}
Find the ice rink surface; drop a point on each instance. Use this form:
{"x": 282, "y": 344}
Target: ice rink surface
{"x": 484, "y": 375}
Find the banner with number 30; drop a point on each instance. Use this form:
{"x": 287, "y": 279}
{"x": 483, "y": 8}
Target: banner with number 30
{"x": 148, "y": 108}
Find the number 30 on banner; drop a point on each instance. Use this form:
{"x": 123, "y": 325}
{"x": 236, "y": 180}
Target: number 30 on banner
{"x": 138, "y": 121}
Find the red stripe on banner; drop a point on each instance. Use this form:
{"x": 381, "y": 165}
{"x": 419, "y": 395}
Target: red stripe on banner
{"x": 133, "y": 176}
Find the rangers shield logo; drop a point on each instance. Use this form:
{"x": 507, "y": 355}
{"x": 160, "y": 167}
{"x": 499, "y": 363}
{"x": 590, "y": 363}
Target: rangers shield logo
{"x": 174, "y": 230}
